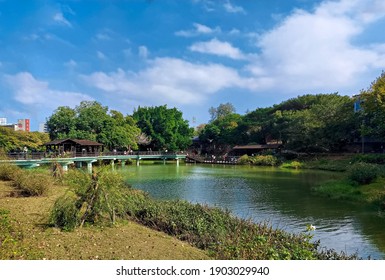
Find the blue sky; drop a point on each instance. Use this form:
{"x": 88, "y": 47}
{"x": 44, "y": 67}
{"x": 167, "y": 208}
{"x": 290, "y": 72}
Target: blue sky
{"x": 188, "y": 54}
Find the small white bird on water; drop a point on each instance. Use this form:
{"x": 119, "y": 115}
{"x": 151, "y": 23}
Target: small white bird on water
{"x": 311, "y": 227}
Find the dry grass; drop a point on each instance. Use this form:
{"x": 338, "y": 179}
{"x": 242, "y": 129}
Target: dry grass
{"x": 128, "y": 241}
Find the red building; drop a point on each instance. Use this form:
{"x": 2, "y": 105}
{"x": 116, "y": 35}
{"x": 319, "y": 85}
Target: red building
{"x": 23, "y": 125}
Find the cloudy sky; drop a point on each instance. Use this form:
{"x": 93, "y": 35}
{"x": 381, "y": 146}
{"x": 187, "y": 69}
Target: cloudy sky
{"x": 189, "y": 54}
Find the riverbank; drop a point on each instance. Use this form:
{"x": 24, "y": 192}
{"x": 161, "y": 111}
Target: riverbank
{"x": 24, "y": 223}
{"x": 362, "y": 180}
{"x": 190, "y": 231}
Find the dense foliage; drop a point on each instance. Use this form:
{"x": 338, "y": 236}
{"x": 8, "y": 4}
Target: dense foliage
{"x": 92, "y": 199}
{"x": 308, "y": 123}
{"x": 166, "y": 127}
{"x": 372, "y": 114}
{"x": 90, "y": 120}
{"x": 363, "y": 173}
{"x": 11, "y": 140}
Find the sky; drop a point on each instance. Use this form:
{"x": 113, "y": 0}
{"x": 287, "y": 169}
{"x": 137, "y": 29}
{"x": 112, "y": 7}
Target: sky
{"x": 188, "y": 54}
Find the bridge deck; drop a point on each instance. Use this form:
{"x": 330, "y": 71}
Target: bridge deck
{"x": 38, "y": 158}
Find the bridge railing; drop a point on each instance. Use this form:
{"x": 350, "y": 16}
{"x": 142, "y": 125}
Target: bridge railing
{"x": 41, "y": 155}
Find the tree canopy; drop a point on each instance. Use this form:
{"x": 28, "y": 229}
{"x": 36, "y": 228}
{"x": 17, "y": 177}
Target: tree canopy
{"x": 11, "y": 140}
{"x": 90, "y": 120}
{"x": 372, "y": 115}
{"x": 321, "y": 122}
{"x": 166, "y": 127}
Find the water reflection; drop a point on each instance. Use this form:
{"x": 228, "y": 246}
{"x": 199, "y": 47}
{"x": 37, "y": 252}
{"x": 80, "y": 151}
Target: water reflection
{"x": 282, "y": 198}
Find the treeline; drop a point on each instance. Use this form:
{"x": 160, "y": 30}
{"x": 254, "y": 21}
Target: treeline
{"x": 16, "y": 140}
{"x": 156, "y": 128}
{"x": 308, "y": 123}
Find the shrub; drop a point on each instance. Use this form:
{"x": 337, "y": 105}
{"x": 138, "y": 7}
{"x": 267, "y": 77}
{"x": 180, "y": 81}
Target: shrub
{"x": 65, "y": 213}
{"x": 265, "y": 160}
{"x": 9, "y": 171}
{"x": 244, "y": 159}
{"x": 293, "y": 165}
{"x": 221, "y": 234}
{"x": 93, "y": 198}
{"x": 368, "y": 158}
{"x": 33, "y": 183}
{"x": 363, "y": 173}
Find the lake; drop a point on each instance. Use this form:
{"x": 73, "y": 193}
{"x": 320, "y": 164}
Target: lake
{"x": 283, "y": 198}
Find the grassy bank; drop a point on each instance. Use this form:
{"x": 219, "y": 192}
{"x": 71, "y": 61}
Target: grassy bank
{"x": 362, "y": 180}
{"x": 142, "y": 229}
{"x": 30, "y": 237}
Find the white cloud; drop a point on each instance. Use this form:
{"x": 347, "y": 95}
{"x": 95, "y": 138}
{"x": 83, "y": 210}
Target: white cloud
{"x": 230, "y": 8}
{"x": 314, "y": 50}
{"x": 71, "y": 63}
{"x": 199, "y": 29}
{"x": 101, "y": 55}
{"x": 143, "y": 52}
{"x": 30, "y": 91}
{"x": 169, "y": 80}
{"x": 60, "y": 19}
{"x": 219, "y": 48}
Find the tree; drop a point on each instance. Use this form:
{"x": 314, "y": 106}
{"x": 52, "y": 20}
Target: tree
{"x": 373, "y": 109}
{"x": 166, "y": 127}
{"x": 61, "y": 123}
{"x": 16, "y": 140}
{"x": 90, "y": 120}
{"x": 221, "y": 111}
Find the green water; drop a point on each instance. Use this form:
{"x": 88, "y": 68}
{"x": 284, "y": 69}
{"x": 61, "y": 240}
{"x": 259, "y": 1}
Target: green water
{"x": 283, "y": 198}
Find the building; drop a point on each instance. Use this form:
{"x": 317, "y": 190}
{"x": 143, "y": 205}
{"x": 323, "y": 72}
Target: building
{"x": 23, "y": 125}
{"x": 74, "y": 146}
{"x": 255, "y": 149}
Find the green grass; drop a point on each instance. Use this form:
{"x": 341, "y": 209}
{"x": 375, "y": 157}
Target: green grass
{"x": 26, "y": 222}
{"x": 372, "y": 194}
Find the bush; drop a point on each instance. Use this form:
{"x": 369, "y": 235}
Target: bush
{"x": 293, "y": 165}
{"x": 65, "y": 213}
{"x": 363, "y": 173}
{"x": 92, "y": 199}
{"x": 221, "y": 234}
{"x": 262, "y": 160}
{"x": 244, "y": 159}
{"x": 368, "y": 158}
{"x": 33, "y": 183}
{"x": 265, "y": 160}
{"x": 9, "y": 172}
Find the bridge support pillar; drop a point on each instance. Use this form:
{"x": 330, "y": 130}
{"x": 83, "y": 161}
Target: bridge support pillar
{"x": 164, "y": 160}
{"x": 137, "y": 161}
{"x": 177, "y": 161}
{"x": 112, "y": 164}
{"x": 89, "y": 167}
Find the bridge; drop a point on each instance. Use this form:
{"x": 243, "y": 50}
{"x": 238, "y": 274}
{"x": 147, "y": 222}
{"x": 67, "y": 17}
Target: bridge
{"x": 34, "y": 159}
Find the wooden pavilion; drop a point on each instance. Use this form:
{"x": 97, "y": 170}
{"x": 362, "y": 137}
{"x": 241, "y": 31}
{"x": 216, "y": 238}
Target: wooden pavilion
{"x": 254, "y": 149}
{"x": 74, "y": 146}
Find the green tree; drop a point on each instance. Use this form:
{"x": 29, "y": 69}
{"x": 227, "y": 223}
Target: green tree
{"x": 90, "y": 120}
{"x": 16, "y": 140}
{"x": 61, "y": 123}
{"x": 373, "y": 104}
{"x": 166, "y": 127}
